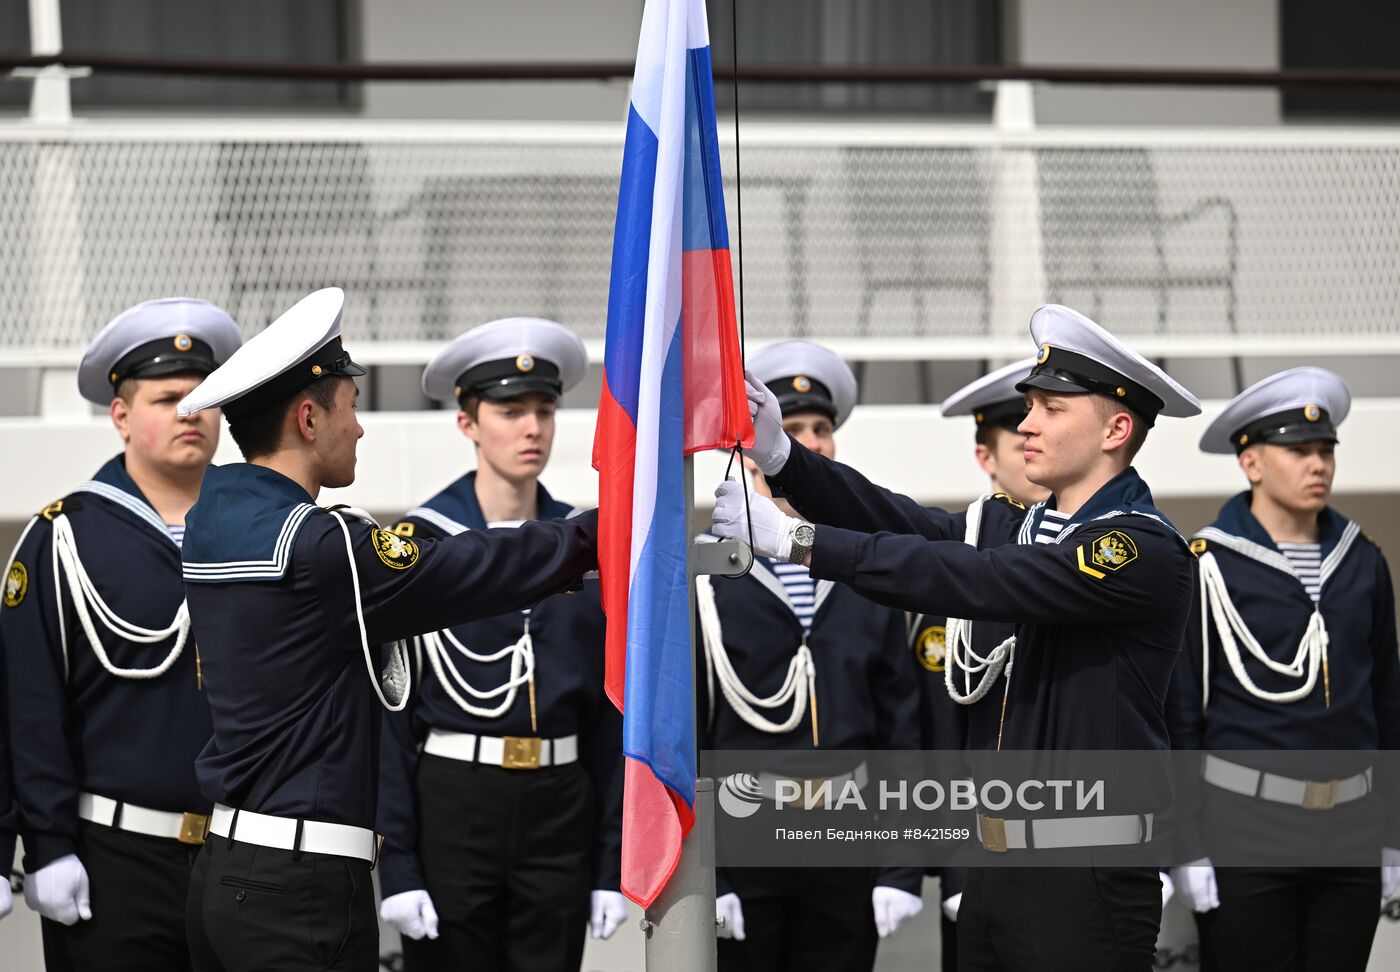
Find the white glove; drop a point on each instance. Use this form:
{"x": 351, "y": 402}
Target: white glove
{"x": 893, "y": 908}
{"x": 59, "y": 891}
{"x": 772, "y": 528}
{"x": 1168, "y": 888}
{"x": 1196, "y": 884}
{"x": 1390, "y": 871}
{"x": 770, "y": 443}
{"x": 7, "y": 901}
{"x": 728, "y": 908}
{"x": 951, "y": 904}
{"x": 609, "y": 911}
{"x": 411, "y": 913}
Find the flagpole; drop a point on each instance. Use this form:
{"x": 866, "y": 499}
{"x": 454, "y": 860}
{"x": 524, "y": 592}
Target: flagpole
{"x": 680, "y": 924}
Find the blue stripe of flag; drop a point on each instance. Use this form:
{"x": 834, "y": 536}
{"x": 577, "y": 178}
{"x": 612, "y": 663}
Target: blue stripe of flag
{"x": 659, "y": 728}
{"x": 627, "y": 291}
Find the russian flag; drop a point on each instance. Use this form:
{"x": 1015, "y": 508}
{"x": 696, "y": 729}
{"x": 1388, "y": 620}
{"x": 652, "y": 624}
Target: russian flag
{"x": 672, "y": 385}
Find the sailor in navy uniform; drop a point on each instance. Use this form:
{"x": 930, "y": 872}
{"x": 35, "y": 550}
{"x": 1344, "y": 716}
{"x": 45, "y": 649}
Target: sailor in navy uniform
{"x": 106, "y": 710}
{"x": 500, "y": 795}
{"x": 291, "y": 604}
{"x": 1292, "y": 648}
{"x": 796, "y": 663}
{"x": 1098, "y": 585}
{"x": 949, "y": 717}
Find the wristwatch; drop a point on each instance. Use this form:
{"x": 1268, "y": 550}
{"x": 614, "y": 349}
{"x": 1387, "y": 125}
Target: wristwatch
{"x": 802, "y": 539}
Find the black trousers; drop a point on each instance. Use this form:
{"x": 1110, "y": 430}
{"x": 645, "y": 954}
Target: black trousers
{"x": 1291, "y": 919}
{"x": 138, "y": 886}
{"x": 1051, "y": 919}
{"x": 507, "y": 857}
{"x": 949, "y": 932}
{"x": 259, "y": 909}
{"x": 805, "y": 919}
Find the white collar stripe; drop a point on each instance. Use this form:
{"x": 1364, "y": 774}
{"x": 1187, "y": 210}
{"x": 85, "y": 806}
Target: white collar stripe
{"x": 126, "y": 501}
{"x": 444, "y": 523}
{"x": 257, "y": 569}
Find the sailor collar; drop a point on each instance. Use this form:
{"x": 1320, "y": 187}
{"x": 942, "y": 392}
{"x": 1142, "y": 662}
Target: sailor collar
{"x": 1124, "y": 494}
{"x": 456, "y": 510}
{"x": 244, "y": 525}
{"x": 764, "y": 573}
{"x": 1237, "y": 529}
{"x": 114, "y": 484}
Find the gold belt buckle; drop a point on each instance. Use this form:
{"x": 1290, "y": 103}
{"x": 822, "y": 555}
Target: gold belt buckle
{"x": 521, "y": 752}
{"x": 194, "y": 827}
{"x": 993, "y": 831}
{"x": 1320, "y": 796}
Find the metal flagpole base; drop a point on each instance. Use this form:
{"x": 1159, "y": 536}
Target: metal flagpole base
{"x": 680, "y": 925}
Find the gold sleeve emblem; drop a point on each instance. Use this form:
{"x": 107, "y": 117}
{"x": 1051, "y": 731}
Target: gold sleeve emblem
{"x": 16, "y": 584}
{"x": 931, "y": 647}
{"x": 1110, "y": 552}
{"x": 396, "y": 552}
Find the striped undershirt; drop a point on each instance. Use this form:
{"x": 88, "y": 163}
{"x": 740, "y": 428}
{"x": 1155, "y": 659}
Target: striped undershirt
{"x": 1052, "y": 521}
{"x": 177, "y": 533}
{"x": 800, "y": 589}
{"x": 1306, "y": 560}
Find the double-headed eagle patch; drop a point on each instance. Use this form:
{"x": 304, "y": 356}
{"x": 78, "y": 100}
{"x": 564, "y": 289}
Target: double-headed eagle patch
{"x": 1110, "y": 552}
{"x": 399, "y": 553}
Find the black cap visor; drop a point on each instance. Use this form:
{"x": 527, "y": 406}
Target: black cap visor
{"x": 165, "y": 356}
{"x": 1007, "y": 415}
{"x": 504, "y": 378}
{"x": 799, "y": 393}
{"x": 330, "y": 360}
{"x": 1067, "y": 373}
{"x": 516, "y": 387}
{"x": 1292, "y": 427}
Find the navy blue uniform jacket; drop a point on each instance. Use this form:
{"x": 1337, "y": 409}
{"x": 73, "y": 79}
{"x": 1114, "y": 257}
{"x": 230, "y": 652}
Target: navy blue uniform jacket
{"x": 866, "y": 698}
{"x": 75, "y": 727}
{"x": 1099, "y": 615}
{"x": 268, "y": 577}
{"x": 567, "y": 633}
{"x": 1357, "y": 603}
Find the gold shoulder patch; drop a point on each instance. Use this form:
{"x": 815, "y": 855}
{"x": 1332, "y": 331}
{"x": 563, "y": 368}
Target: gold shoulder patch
{"x": 1198, "y": 546}
{"x": 1111, "y": 552}
{"x": 1010, "y": 500}
{"x": 404, "y": 529}
{"x": 931, "y": 647}
{"x": 52, "y": 510}
{"x": 395, "y": 551}
{"x": 16, "y": 584}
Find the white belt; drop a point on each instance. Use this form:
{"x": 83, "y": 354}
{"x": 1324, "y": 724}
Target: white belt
{"x": 188, "y": 828}
{"x": 510, "y": 752}
{"x": 1308, "y": 794}
{"x": 1101, "y": 831}
{"x": 812, "y": 787}
{"x": 317, "y": 836}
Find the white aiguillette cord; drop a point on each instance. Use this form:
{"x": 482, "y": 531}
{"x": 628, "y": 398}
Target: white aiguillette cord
{"x": 522, "y": 672}
{"x": 67, "y": 563}
{"x": 958, "y": 637}
{"x": 1310, "y": 658}
{"x": 397, "y": 676}
{"x": 799, "y": 686}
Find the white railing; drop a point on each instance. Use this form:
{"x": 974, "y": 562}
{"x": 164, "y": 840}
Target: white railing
{"x": 893, "y": 241}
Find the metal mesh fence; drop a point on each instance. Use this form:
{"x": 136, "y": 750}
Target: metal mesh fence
{"x": 917, "y": 240}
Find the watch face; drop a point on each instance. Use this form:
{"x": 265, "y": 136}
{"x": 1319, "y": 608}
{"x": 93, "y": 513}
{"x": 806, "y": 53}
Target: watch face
{"x": 804, "y": 535}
